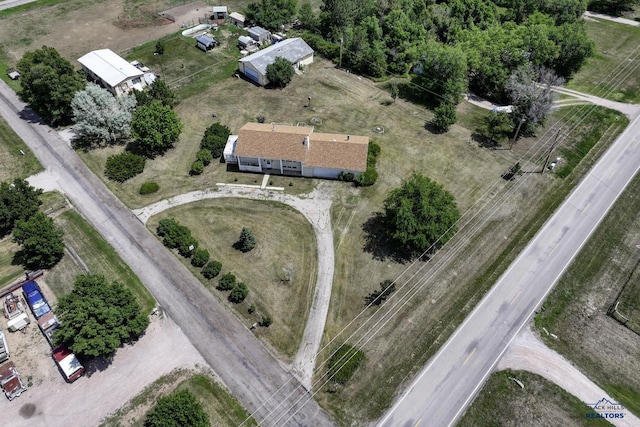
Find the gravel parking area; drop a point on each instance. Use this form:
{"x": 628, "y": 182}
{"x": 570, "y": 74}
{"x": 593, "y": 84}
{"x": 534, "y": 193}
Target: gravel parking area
{"x": 50, "y": 401}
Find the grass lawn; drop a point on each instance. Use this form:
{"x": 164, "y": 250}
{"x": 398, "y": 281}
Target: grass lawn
{"x": 616, "y": 44}
{"x": 13, "y": 164}
{"x": 97, "y": 255}
{"x": 503, "y": 403}
{"x": 222, "y": 407}
{"x": 280, "y": 272}
{"x": 576, "y": 310}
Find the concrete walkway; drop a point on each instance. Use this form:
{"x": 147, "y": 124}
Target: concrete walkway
{"x": 624, "y": 21}
{"x": 528, "y": 353}
{"x": 316, "y": 209}
{"x": 630, "y": 110}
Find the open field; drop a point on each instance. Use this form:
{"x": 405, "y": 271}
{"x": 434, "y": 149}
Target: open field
{"x": 97, "y": 255}
{"x": 223, "y": 409}
{"x": 615, "y": 44}
{"x": 502, "y": 403}
{"x": 576, "y": 311}
{"x": 453, "y": 288}
{"x": 280, "y": 272}
{"x": 14, "y": 164}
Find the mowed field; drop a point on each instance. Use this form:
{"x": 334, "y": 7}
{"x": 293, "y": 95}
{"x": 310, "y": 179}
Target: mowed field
{"x": 280, "y": 271}
{"x": 576, "y": 311}
{"x": 502, "y": 403}
{"x": 615, "y": 44}
{"x": 509, "y": 212}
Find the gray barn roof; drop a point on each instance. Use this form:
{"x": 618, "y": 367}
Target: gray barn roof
{"x": 205, "y": 40}
{"x": 292, "y": 50}
{"x": 258, "y": 31}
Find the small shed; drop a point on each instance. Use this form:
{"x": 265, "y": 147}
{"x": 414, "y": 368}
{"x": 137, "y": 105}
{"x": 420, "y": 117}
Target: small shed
{"x": 244, "y": 41}
{"x": 236, "y": 19}
{"x": 259, "y": 34}
{"x": 205, "y": 43}
{"x": 219, "y": 14}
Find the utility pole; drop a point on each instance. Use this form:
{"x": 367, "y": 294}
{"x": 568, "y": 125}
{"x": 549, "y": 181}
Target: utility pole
{"x": 340, "y": 63}
{"x": 522, "y": 120}
{"x": 546, "y": 160}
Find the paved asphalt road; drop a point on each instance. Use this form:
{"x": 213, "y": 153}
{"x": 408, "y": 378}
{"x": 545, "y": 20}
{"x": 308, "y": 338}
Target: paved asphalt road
{"x": 443, "y": 389}
{"x": 252, "y": 374}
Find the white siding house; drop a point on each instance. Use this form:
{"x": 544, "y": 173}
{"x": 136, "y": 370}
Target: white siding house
{"x": 112, "y": 72}
{"x": 294, "y": 50}
{"x": 297, "y": 151}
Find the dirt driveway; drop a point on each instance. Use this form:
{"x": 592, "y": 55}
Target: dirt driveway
{"x": 53, "y": 402}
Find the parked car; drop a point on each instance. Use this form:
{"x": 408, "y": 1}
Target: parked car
{"x": 68, "y": 363}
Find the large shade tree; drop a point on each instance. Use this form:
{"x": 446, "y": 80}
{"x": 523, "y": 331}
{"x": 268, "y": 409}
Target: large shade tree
{"x": 98, "y": 316}
{"x": 100, "y": 117}
{"x": 48, "y": 84}
{"x": 41, "y": 240}
{"x": 155, "y": 127}
{"x": 18, "y": 201}
{"x": 419, "y": 216}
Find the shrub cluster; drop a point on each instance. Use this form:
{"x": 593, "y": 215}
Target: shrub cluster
{"x": 370, "y": 176}
{"x": 211, "y": 147}
{"x": 177, "y": 236}
{"x": 329, "y": 50}
{"x": 343, "y": 363}
{"x": 200, "y": 258}
{"x": 149, "y": 187}
{"x": 123, "y": 166}
{"x": 239, "y": 290}
{"x": 211, "y": 269}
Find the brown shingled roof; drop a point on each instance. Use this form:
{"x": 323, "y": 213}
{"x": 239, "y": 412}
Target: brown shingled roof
{"x": 286, "y": 142}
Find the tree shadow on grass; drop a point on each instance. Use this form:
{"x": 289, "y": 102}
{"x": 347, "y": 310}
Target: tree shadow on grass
{"x": 378, "y": 242}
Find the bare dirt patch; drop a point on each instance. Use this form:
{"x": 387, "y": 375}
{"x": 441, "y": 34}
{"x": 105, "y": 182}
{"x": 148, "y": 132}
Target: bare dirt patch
{"x": 76, "y": 27}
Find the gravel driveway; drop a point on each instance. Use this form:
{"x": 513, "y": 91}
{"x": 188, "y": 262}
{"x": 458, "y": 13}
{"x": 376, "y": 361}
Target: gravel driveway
{"x": 528, "y": 353}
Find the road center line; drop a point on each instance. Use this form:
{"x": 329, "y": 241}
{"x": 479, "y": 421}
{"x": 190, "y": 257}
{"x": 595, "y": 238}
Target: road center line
{"x": 514, "y": 298}
{"x": 469, "y": 356}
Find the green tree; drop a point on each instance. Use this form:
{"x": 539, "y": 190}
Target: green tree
{"x": 212, "y": 269}
{"x": 178, "y": 409}
{"x": 271, "y": 14}
{"x": 393, "y": 88}
{"x": 215, "y": 138}
{"x": 155, "y": 127}
{"x": 177, "y": 236}
{"x": 308, "y": 19}
{"x": 247, "y": 241}
{"x": 227, "y": 282}
{"x": 497, "y": 125}
{"x": 123, "y": 166}
{"x": 200, "y": 258}
{"x": 42, "y": 241}
{"x": 159, "y": 47}
{"x": 441, "y": 69}
{"x": 445, "y": 116}
{"x": 197, "y": 168}
{"x": 97, "y": 317}
{"x": 160, "y": 91}
{"x": 204, "y": 156}
{"x": 18, "y": 201}
{"x": 48, "y": 84}
{"x": 419, "y": 216}
{"x": 344, "y": 363}
{"x": 280, "y": 72}
{"x": 101, "y": 117}
{"x": 238, "y": 293}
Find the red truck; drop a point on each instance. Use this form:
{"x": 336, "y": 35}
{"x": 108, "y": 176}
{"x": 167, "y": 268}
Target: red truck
{"x": 68, "y": 363}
